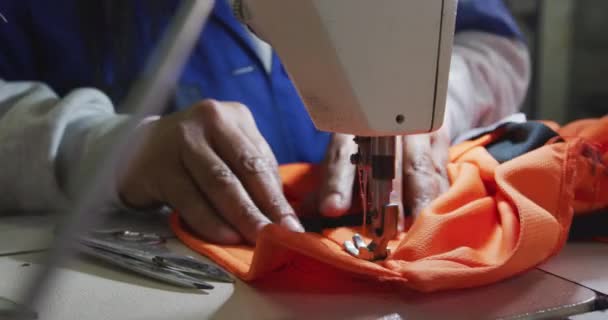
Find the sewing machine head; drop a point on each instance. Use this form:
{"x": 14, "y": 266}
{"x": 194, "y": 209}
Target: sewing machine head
{"x": 374, "y": 69}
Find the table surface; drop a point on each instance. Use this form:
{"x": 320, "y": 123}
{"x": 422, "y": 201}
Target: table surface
{"x": 34, "y": 233}
{"x": 89, "y": 289}
{"x": 585, "y": 263}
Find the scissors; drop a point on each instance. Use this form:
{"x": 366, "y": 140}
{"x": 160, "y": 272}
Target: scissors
{"x": 146, "y": 254}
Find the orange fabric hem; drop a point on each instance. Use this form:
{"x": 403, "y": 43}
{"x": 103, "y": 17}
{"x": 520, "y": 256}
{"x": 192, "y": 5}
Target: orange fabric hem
{"x": 496, "y": 220}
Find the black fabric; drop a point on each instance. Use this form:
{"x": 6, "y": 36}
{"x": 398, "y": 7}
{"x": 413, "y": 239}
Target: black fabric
{"x": 518, "y": 139}
{"x": 586, "y": 227}
{"x": 317, "y": 224}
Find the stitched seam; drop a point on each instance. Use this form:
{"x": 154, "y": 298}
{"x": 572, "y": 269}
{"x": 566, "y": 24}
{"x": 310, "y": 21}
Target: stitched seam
{"x": 596, "y": 184}
{"x": 569, "y": 173}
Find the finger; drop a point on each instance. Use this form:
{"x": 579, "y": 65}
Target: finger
{"x": 251, "y": 131}
{"x": 440, "y": 144}
{"x": 182, "y": 195}
{"x": 257, "y": 173}
{"x": 256, "y": 170}
{"x": 422, "y": 182}
{"x": 337, "y": 189}
{"x": 223, "y": 189}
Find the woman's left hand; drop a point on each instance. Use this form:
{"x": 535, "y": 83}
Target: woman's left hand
{"x": 425, "y": 159}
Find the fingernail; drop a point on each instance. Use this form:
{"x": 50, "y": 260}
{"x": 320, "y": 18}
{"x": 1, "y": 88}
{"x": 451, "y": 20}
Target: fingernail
{"x": 261, "y": 225}
{"x": 292, "y": 224}
{"x": 229, "y": 237}
{"x": 333, "y": 205}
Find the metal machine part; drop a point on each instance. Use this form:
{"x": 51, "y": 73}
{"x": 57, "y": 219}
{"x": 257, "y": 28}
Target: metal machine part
{"x": 146, "y": 254}
{"x": 378, "y": 165}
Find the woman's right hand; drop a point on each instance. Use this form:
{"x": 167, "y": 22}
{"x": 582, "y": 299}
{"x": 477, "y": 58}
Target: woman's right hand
{"x": 211, "y": 164}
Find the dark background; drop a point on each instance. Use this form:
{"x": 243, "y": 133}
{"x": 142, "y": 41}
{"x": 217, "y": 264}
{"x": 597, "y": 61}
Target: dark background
{"x": 569, "y": 44}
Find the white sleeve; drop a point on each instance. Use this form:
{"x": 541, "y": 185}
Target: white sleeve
{"x": 50, "y": 145}
{"x": 489, "y": 78}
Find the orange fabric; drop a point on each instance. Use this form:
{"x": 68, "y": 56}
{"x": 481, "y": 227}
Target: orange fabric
{"x": 496, "y": 220}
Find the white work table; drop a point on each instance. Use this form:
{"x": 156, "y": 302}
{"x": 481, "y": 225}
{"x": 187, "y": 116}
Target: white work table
{"x": 585, "y": 263}
{"x": 89, "y": 289}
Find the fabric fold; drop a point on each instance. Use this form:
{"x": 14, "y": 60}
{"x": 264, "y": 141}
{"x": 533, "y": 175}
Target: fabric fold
{"x": 497, "y": 220}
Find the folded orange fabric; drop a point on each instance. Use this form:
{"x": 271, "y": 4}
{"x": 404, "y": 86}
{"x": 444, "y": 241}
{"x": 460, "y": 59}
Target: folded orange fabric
{"x": 496, "y": 221}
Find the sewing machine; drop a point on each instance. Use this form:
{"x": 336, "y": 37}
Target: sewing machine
{"x": 374, "y": 69}
{"x": 534, "y": 295}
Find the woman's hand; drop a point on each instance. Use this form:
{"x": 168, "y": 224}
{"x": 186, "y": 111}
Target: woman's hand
{"x": 425, "y": 158}
{"x": 211, "y": 164}
{"x": 336, "y": 192}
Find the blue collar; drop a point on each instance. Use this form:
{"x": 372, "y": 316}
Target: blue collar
{"x": 223, "y": 13}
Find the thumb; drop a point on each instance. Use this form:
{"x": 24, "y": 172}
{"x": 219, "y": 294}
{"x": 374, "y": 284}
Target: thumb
{"x": 339, "y": 175}
{"x": 424, "y": 171}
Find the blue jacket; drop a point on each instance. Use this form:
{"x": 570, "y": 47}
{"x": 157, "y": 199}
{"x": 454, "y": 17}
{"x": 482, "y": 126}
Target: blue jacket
{"x": 42, "y": 42}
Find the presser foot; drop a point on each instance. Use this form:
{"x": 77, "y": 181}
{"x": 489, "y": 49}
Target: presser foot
{"x": 370, "y": 252}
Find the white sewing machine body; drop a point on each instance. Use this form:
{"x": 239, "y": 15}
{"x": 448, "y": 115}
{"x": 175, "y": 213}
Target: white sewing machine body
{"x": 367, "y": 68}
{"x": 375, "y": 69}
